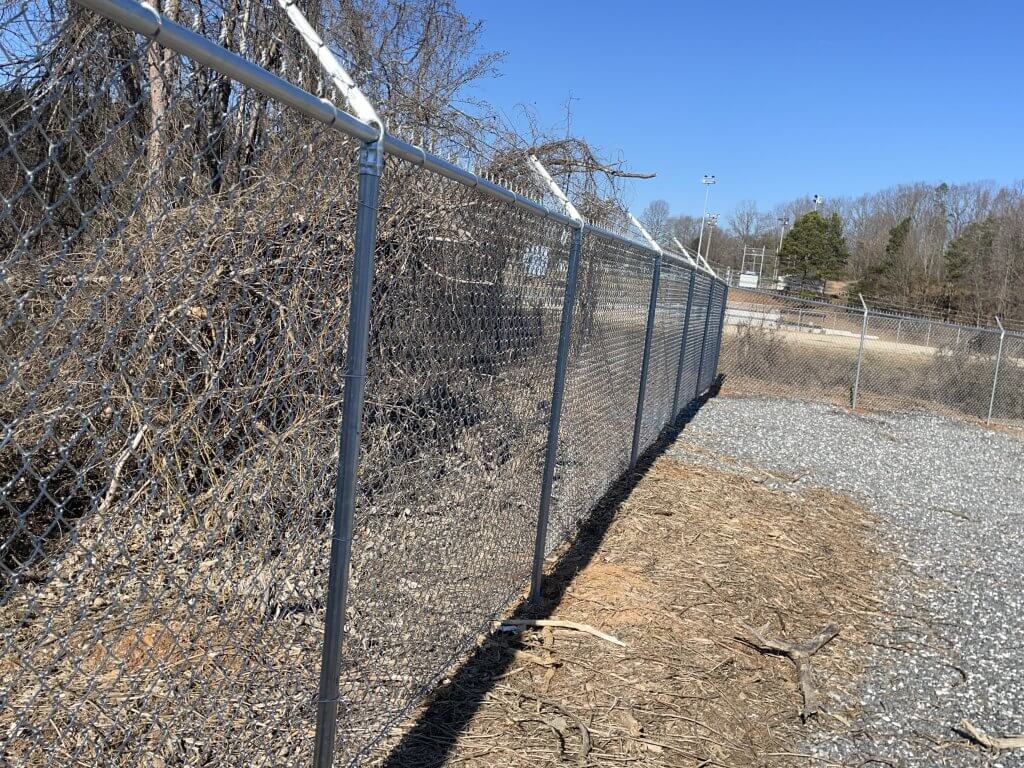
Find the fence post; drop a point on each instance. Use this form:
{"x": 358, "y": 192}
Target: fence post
{"x": 860, "y": 353}
{"x": 682, "y": 344}
{"x": 370, "y": 165}
{"x": 704, "y": 341}
{"x": 721, "y": 333}
{"x": 995, "y": 378}
{"x": 645, "y": 365}
{"x": 555, "y": 418}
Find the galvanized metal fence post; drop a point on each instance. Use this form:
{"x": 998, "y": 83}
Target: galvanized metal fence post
{"x": 995, "y": 378}
{"x": 645, "y": 364}
{"x": 370, "y": 166}
{"x": 721, "y": 332}
{"x": 555, "y": 418}
{"x": 860, "y": 354}
{"x": 697, "y": 391}
{"x": 682, "y": 343}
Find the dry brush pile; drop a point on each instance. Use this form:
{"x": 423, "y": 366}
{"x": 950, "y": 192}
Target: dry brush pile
{"x": 173, "y": 371}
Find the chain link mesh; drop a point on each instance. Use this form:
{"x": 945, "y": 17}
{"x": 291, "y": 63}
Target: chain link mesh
{"x": 910, "y": 363}
{"x": 464, "y": 330}
{"x": 175, "y": 293}
{"x": 690, "y": 386}
{"x": 172, "y": 375}
{"x": 1008, "y": 404}
{"x": 712, "y": 336}
{"x": 669, "y": 316}
{"x": 790, "y": 347}
{"x": 603, "y": 378}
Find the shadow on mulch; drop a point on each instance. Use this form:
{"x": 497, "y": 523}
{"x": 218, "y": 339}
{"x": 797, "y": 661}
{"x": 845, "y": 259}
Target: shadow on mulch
{"x": 428, "y": 743}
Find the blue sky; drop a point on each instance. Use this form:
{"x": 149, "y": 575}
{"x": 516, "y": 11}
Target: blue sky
{"x": 778, "y": 99}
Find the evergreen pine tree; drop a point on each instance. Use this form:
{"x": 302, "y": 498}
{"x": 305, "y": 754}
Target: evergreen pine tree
{"x": 815, "y": 247}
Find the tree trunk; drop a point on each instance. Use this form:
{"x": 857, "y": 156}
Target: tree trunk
{"x": 161, "y": 76}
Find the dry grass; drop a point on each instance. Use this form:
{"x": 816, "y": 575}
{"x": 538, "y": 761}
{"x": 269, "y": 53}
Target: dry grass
{"x": 690, "y": 554}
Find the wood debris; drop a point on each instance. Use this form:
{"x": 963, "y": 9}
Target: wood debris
{"x": 977, "y": 735}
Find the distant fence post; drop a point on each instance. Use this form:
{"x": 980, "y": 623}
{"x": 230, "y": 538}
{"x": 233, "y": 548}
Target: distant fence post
{"x": 995, "y": 378}
{"x": 370, "y": 166}
{"x": 645, "y": 364}
{"x": 555, "y": 417}
{"x": 697, "y": 391}
{"x": 860, "y": 353}
{"x": 682, "y": 343}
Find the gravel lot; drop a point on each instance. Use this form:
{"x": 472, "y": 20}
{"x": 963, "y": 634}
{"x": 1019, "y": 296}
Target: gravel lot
{"x": 950, "y": 643}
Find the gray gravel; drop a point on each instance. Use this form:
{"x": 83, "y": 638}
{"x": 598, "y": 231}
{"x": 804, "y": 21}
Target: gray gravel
{"x": 952, "y": 494}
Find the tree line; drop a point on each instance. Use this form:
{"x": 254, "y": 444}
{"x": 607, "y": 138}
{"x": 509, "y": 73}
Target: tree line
{"x": 953, "y": 250}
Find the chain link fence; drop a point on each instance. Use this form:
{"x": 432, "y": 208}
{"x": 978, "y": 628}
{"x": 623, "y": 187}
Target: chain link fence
{"x": 196, "y": 303}
{"x": 858, "y": 356}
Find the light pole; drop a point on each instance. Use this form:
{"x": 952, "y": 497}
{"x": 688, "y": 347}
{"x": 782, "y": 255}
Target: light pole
{"x": 712, "y": 220}
{"x": 783, "y": 221}
{"x": 707, "y": 181}
{"x": 817, "y": 201}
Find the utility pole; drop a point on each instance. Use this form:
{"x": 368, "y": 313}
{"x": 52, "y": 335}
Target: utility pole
{"x": 707, "y": 181}
{"x": 783, "y": 222}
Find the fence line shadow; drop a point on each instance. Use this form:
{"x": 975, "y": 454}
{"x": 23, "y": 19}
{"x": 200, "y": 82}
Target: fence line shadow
{"x": 450, "y": 708}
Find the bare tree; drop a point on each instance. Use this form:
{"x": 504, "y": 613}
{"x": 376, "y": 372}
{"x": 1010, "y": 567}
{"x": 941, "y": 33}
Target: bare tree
{"x": 655, "y": 218}
{"x": 745, "y": 221}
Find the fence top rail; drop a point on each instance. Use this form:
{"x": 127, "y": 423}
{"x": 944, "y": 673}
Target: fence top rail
{"x": 148, "y": 22}
{"x": 792, "y": 300}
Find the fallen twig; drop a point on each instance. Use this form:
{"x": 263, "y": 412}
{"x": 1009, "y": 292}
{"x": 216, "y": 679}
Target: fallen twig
{"x": 799, "y": 654}
{"x": 586, "y": 743}
{"x": 563, "y": 625}
{"x": 115, "y": 480}
{"x": 975, "y": 734}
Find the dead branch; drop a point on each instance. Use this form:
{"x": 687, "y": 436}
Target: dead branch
{"x": 977, "y": 735}
{"x": 115, "y": 480}
{"x": 607, "y": 170}
{"x": 586, "y": 743}
{"x": 799, "y": 654}
{"x": 574, "y": 154}
{"x": 563, "y": 625}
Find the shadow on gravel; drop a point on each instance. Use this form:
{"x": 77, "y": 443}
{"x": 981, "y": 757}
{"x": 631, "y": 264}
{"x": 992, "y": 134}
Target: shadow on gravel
{"x": 451, "y": 707}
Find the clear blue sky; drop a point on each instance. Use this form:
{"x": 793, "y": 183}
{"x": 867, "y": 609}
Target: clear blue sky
{"x": 778, "y": 99}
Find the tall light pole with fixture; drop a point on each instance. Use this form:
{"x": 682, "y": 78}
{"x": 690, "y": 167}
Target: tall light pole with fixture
{"x": 712, "y": 220}
{"x": 817, "y": 201}
{"x": 707, "y": 181}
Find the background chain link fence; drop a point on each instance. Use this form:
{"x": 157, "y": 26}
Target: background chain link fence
{"x": 174, "y": 296}
{"x": 791, "y": 347}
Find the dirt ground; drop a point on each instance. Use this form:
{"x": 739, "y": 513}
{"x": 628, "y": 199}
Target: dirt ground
{"x": 672, "y": 568}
